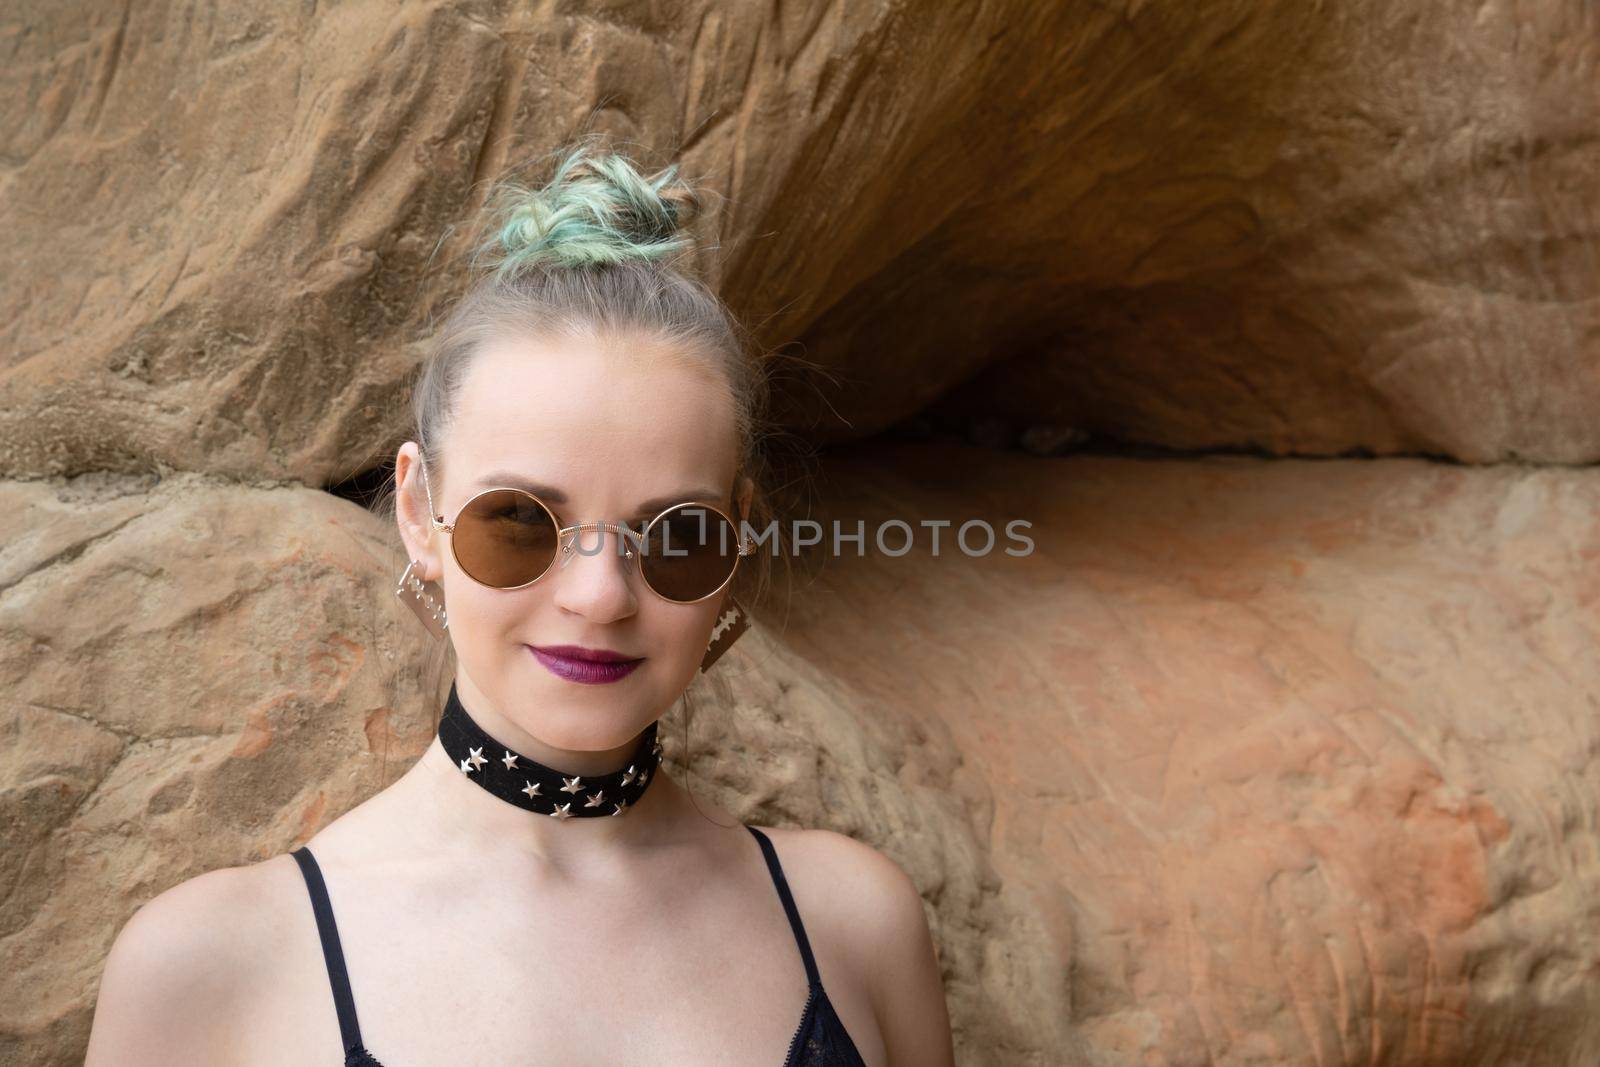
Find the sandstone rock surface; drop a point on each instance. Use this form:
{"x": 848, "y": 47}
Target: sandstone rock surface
{"x": 1290, "y": 228}
{"x": 1298, "y": 761}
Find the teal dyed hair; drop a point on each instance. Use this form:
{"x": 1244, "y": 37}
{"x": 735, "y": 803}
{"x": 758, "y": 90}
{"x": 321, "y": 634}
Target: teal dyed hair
{"x": 596, "y": 209}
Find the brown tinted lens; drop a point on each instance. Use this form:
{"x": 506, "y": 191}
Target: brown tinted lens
{"x": 505, "y": 538}
{"x": 689, "y": 552}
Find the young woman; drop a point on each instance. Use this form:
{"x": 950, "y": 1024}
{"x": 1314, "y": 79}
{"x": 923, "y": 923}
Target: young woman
{"x": 536, "y": 889}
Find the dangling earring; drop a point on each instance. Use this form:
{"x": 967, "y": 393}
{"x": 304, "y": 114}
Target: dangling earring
{"x": 733, "y": 621}
{"x": 424, "y": 598}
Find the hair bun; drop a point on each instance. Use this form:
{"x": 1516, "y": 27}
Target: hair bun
{"x": 596, "y": 209}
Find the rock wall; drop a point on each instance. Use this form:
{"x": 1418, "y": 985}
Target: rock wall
{"x": 1296, "y": 761}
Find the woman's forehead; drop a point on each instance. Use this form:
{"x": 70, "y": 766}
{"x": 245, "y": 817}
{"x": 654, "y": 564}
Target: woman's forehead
{"x": 568, "y": 383}
{"x": 554, "y": 412}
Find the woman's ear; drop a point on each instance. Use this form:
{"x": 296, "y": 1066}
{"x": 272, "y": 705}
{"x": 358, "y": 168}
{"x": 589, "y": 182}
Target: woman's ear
{"x": 411, "y": 513}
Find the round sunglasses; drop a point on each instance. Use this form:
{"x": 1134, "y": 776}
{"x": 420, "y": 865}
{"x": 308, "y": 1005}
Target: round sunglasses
{"x": 508, "y": 538}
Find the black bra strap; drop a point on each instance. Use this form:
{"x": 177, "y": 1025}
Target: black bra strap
{"x": 332, "y": 954}
{"x": 788, "y": 905}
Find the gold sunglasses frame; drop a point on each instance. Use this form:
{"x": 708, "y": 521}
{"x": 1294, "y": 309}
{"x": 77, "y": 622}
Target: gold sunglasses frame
{"x": 746, "y": 546}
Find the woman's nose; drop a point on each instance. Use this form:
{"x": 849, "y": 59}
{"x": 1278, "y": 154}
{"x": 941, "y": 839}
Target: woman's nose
{"x": 594, "y": 574}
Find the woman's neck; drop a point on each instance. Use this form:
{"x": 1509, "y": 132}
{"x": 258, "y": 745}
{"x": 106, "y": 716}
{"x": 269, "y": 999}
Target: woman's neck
{"x": 456, "y": 815}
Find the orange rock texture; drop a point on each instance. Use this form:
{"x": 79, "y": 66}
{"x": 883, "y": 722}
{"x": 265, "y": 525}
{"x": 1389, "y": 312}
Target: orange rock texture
{"x": 1252, "y": 760}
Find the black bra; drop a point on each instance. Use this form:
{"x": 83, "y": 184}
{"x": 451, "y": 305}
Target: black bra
{"x": 819, "y": 1041}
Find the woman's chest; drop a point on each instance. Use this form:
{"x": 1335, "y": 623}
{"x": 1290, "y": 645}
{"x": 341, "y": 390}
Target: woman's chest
{"x": 719, "y": 981}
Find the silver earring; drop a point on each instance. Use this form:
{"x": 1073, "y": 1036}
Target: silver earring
{"x": 733, "y": 621}
{"x": 426, "y": 599}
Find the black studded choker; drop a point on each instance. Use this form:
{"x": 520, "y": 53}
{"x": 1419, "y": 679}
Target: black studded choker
{"x": 535, "y": 787}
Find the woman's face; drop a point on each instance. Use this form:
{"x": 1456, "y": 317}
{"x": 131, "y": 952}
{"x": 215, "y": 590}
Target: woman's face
{"x": 610, "y": 424}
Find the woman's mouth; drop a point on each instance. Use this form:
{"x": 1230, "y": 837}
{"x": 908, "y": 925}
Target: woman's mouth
{"x": 587, "y": 666}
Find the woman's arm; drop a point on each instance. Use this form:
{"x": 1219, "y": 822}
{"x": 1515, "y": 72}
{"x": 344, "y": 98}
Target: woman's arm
{"x": 902, "y": 965}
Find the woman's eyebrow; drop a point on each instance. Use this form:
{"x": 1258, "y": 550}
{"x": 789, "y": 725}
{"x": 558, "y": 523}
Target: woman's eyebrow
{"x": 550, "y": 493}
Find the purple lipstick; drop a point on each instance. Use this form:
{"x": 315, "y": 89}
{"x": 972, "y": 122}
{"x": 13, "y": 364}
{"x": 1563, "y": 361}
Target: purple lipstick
{"x": 587, "y": 666}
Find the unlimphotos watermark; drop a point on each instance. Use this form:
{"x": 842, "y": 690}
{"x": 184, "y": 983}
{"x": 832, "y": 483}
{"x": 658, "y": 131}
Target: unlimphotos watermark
{"x": 691, "y": 529}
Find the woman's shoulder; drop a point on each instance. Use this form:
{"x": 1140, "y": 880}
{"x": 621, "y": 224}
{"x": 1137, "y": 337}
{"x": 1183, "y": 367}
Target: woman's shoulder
{"x": 836, "y": 858}
{"x": 205, "y": 926}
{"x": 868, "y": 909}
{"x": 179, "y": 967}
{"x": 852, "y": 887}
{"x": 865, "y": 905}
